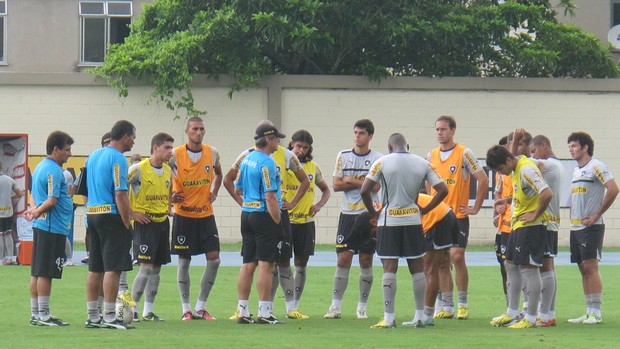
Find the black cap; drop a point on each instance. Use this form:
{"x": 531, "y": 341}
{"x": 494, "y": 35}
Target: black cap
{"x": 267, "y": 130}
{"x": 107, "y": 138}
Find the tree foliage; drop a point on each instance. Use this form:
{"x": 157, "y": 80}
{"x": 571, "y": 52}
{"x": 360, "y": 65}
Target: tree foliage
{"x": 174, "y": 40}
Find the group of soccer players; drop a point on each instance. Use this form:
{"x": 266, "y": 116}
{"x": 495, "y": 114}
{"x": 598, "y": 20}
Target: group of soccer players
{"x": 384, "y": 210}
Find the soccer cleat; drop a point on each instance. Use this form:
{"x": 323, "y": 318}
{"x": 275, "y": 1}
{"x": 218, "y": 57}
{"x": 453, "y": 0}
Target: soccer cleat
{"x": 84, "y": 260}
{"x": 444, "y": 314}
{"x": 361, "y": 313}
{"x": 245, "y": 320}
{"x": 501, "y": 320}
{"x": 297, "y": 315}
{"x": 136, "y": 317}
{"x": 34, "y": 321}
{"x": 578, "y": 320}
{"x": 52, "y": 321}
{"x": 125, "y": 298}
{"x": 383, "y": 324}
{"x": 462, "y": 313}
{"x": 204, "y": 314}
{"x": 151, "y": 317}
{"x": 333, "y": 313}
{"x": 93, "y": 324}
{"x": 549, "y": 323}
{"x": 188, "y": 315}
{"x": 271, "y": 320}
{"x": 419, "y": 323}
{"x": 235, "y": 315}
{"x": 524, "y": 323}
{"x": 593, "y": 319}
{"x": 68, "y": 263}
{"x": 116, "y": 324}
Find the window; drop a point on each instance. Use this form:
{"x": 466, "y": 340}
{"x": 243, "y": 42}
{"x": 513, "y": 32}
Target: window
{"x": 102, "y": 23}
{"x": 615, "y": 12}
{"x": 2, "y": 31}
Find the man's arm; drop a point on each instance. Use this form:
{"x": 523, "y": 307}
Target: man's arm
{"x": 229, "y": 184}
{"x": 272, "y": 206}
{"x": 366, "y": 192}
{"x": 122, "y": 203}
{"x": 441, "y": 191}
{"x": 325, "y": 194}
{"x": 543, "y": 201}
{"x": 35, "y": 212}
{"x": 304, "y": 184}
{"x": 217, "y": 182}
{"x": 610, "y": 195}
{"x": 481, "y": 194}
{"x": 346, "y": 183}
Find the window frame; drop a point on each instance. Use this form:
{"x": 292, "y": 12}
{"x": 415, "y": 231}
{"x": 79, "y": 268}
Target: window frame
{"x": 4, "y": 15}
{"x": 107, "y": 27}
{"x": 612, "y": 5}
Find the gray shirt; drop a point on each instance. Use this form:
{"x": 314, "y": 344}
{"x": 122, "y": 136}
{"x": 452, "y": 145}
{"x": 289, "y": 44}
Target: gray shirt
{"x": 348, "y": 163}
{"x": 587, "y": 191}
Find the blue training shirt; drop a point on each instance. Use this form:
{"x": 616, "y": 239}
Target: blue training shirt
{"x": 48, "y": 181}
{"x": 106, "y": 173}
{"x": 257, "y": 176}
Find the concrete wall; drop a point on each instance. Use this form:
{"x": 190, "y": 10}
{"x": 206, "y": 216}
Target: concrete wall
{"x": 44, "y": 35}
{"x": 485, "y": 110}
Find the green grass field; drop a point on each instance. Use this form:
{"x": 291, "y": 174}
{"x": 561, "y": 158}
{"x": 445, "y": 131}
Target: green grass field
{"x": 486, "y": 300}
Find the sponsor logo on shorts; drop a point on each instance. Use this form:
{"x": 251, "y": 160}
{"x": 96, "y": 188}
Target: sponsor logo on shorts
{"x": 181, "y": 239}
{"x": 143, "y": 248}
{"x": 339, "y": 239}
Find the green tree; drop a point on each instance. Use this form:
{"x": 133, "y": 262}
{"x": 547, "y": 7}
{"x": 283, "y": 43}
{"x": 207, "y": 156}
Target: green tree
{"x": 174, "y": 40}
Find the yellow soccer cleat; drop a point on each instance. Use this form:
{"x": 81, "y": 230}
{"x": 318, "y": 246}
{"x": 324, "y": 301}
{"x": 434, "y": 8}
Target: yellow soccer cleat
{"x": 125, "y": 298}
{"x": 524, "y": 323}
{"x": 235, "y": 316}
{"x": 297, "y": 315}
{"x": 383, "y": 324}
{"x": 462, "y": 313}
{"x": 501, "y": 320}
{"x": 444, "y": 314}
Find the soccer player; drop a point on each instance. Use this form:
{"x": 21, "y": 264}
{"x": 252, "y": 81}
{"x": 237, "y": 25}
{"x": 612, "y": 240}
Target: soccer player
{"x": 502, "y": 212}
{"x": 440, "y": 229}
{"x": 302, "y": 215}
{"x": 109, "y": 222}
{"x": 528, "y": 239}
{"x": 552, "y": 170}
{"x": 262, "y": 232}
{"x": 52, "y": 213}
{"x": 286, "y": 161}
{"x": 456, "y": 164}
{"x": 352, "y": 165}
{"x": 150, "y": 181}
{"x": 197, "y": 179}
{"x": 399, "y": 226}
{"x": 593, "y": 191}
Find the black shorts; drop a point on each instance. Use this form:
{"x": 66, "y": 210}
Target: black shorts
{"x": 110, "y": 243}
{"x": 193, "y": 236}
{"x": 440, "y": 236}
{"x": 501, "y": 246}
{"x": 587, "y": 243}
{"x": 463, "y": 235}
{"x": 6, "y": 223}
{"x": 152, "y": 242}
{"x": 355, "y": 234}
{"x": 48, "y": 254}
{"x": 526, "y": 245}
{"x": 262, "y": 238}
{"x": 406, "y": 241}
{"x": 303, "y": 239}
{"x": 286, "y": 248}
{"x": 551, "y": 248}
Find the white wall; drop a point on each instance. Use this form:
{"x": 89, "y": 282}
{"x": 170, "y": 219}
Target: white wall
{"x": 485, "y": 110}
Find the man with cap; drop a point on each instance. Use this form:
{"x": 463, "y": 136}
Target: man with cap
{"x": 262, "y": 233}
